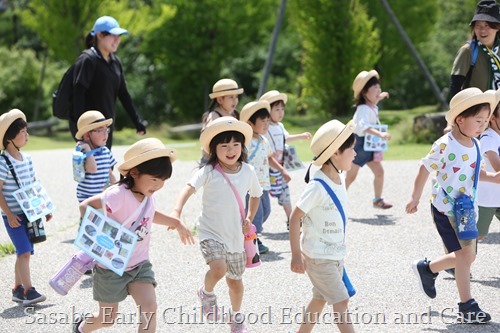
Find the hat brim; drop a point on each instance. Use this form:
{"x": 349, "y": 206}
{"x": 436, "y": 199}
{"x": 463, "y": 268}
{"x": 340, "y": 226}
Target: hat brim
{"x": 79, "y": 134}
{"x": 359, "y": 85}
{"x": 145, "y": 156}
{"x": 224, "y": 124}
{"x": 275, "y": 98}
{"x": 9, "y": 118}
{"x": 484, "y": 17}
{"x": 246, "y": 114}
{"x": 226, "y": 93}
{"x": 488, "y": 96}
{"x": 335, "y": 144}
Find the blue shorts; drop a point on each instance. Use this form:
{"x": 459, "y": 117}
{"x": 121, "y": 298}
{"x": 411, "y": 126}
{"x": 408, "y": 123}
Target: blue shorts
{"x": 362, "y": 156}
{"x": 19, "y": 236}
{"x": 447, "y": 229}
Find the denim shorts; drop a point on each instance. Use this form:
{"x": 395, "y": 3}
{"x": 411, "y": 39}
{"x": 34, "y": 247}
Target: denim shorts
{"x": 362, "y": 156}
{"x": 19, "y": 236}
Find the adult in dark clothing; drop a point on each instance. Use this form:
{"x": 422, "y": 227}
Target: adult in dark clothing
{"x": 99, "y": 78}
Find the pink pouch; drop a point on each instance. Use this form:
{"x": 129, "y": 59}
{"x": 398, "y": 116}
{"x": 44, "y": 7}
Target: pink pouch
{"x": 378, "y": 156}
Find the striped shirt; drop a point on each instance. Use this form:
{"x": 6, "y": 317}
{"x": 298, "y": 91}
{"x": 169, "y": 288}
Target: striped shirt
{"x": 94, "y": 183}
{"x": 25, "y": 175}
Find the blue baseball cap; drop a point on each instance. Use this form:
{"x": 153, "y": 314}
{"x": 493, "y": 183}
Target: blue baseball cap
{"x": 108, "y": 24}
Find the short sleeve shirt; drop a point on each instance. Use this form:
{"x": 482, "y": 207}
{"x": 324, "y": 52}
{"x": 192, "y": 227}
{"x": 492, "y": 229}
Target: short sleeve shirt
{"x": 25, "y": 174}
{"x": 488, "y": 193}
{"x": 94, "y": 183}
{"x": 322, "y": 226}
{"x": 277, "y": 135}
{"x": 364, "y": 118}
{"x": 259, "y": 159}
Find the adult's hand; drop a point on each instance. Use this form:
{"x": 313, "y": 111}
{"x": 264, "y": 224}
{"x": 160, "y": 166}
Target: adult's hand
{"x": 141, "y": 128}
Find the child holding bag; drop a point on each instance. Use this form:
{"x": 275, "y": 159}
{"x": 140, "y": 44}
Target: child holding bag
{"x": 147, "y": 164}
{"x": 220, "y": 225}
{"x": 14, "y": 136}
{"x": 321, "y": 248}
{"x": 454, "y": 159}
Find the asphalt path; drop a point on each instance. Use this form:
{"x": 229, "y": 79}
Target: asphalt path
{"x": 381, "y": 247}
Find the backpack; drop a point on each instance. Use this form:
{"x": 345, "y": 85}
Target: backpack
{"x": 62, "y": 98}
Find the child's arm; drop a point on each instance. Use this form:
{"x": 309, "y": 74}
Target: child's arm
{"x": 383, "y": 95}
{"x": 275, "y": 165}
{"x": 253, "y": 206}
{"x": 418, "y": 187}
{"x": 301, "y": 136}
{"x": 12, "y": 218}
{"x": 89, "y": 164}
{"x": 112, "y": 178}
{"x": 187, "y": 192}
{"x": 494, "y": 159}
{"x": 493, "y": 177}
{"x": 383, "y": 135}
{"x": 94, "y": 202}
{"x": 174, "y": 223}
{"x": 297, "y": 265}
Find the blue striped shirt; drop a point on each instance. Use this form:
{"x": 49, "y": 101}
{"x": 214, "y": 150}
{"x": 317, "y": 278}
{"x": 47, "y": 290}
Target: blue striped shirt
{"x": 25, "y": 175}
{"x": 94, "y": 183}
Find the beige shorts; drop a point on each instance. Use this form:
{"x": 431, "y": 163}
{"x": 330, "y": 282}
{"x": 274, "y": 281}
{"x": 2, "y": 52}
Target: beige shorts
{"x": 213, "y": 250}
{"x": 326, "y": 278}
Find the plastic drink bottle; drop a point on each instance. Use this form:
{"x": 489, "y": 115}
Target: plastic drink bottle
{"x": 251, "y": 248}
{"x": 71, "y": 272}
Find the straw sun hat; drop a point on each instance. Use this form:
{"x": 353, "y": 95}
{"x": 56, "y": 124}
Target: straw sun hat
{"x": 274, "y": 95}
{"x": 91, "y": 120}
{"x": 225, "y": 87}
{"x": 6, "y": 120}
{"x": 224, "y": 124}
{"x": 328, "y": 139}
{"x": 145, "y": 150}
{"x": 468, "y": 98}
{"x": 250, "y": 108}
{"x": 361, "y": 80}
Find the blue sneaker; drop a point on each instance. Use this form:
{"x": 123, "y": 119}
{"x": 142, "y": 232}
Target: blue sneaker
{"x": 262, "y": 248}
{"x": 470, "y": 313}
{"x": 426, "y": 279}
{"x": 32, "y": 296}
{"x": 18, "y": 293}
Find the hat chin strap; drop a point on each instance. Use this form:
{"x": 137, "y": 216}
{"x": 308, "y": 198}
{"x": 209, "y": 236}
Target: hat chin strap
{"x": 460, "y": 130}
{"x": 331, "y": 163}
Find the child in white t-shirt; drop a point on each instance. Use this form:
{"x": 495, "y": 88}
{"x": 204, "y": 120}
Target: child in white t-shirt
{"x": 321, "y": 248}
{"x": 220, "y": 226}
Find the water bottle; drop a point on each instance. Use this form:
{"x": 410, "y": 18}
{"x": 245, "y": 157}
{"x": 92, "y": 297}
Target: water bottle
{"x": 71, "y": 272}
{"x": 78, "y": 165}
{"x": 251, "y": 248}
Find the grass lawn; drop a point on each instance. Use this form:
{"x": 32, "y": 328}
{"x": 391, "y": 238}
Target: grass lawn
{"x": 401, "y": 147}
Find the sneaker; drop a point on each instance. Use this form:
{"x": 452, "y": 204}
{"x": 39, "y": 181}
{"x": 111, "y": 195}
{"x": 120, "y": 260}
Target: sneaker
{"x": 18, "y": 293}
{"x": 426, "y": 279}
{"x": 470, "y": 313}
{"x": 262, "y": 248}
{"x": 380, "y": 203}
{"x": 238, "y": 327}
{"x": 209, "y": 305}
{"x": 76, "y": 323}
{"x": 31, "y": 296}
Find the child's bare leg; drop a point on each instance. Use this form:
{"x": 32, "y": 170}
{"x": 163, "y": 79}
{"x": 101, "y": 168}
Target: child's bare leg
{"x": 313, "y": 311}
{"x": 351, "y": 175}
{"x": 105, "y": 318}
{"x": 22, "y": 270}
{"x": 378, "y": 180}
{"x": 444, "y": 262}
{"x": 287, "y": 207}
{"x": 342, "y": 317}
{"x": 465, "y": 258}
{"x": 217, "y": 271}
{"x": 236, "y": 290}
{"x": 145, "y": 298}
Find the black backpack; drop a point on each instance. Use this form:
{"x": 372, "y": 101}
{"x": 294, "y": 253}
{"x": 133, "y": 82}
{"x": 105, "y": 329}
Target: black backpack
{"x": 62, "y": 98}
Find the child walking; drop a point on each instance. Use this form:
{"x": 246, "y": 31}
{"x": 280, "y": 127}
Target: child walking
{"x": 321, "y": 248}
{"x": 278, "y": 136}
{"x": 452, "y": 159}
{"x": 92, "y": 135}
{"x": 14, "y": 136}
{"x": 146, "y": 166}
{"x": 257, "y": 115}
{"x": 220, "y": 225}
{"x": 368, "y": 94}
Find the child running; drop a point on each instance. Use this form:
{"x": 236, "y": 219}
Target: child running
{"x": 220, "y": 225}
{"x": 452, "y": 160}
{"x": 257, "y": 115}
{"x": 321, "y": 248}
{"x": 92, "y": 134}
{"x": 368, "y": 94}
{"x": 147, "y": 164}
{"x": 14, "y": 136}
{"x": 278, "y": 136}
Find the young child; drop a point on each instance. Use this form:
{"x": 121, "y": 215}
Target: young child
{"x": 488, "y": 201}
{"x": 223, "y": 102}
{"x": 453, "y": 160}
{"x": 146, "y": 166}
{"x": 92, "y": 134}
{"x": 14, "y": 136}
{"x": 257, "y": 115}
{"x": 368, "y": 94}
{"x": 220, "y": 226}
{"x": 277, "y": 135}
{"x": 321, "y": 249}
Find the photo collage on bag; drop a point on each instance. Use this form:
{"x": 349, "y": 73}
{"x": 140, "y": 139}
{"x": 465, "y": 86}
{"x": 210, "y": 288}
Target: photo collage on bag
{"x": 105, "y": 240}
{"x": 375, "y": 143}
{"x": 34, "y": 201}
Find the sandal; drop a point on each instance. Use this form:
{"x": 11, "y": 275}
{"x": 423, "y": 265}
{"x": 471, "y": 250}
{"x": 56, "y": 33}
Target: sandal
{"x": 380, "y": 203}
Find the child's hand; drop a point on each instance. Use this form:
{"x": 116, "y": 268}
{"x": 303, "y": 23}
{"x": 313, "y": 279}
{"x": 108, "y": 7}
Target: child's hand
{"x": 298, "y": 266}
{"x": 383, "y": 94}
{"x": 184, "y": 234}
{"x": 247, "y": 224}
{"x": 411, "y": 207}
{"x": 13, "y": 221}
{"x": 307, "y": 135}
{"x": 286, "y": 176}
{"x": 386, "y": 136}
{"x": 85, "y": 147}
{"x": 48, "y": 217}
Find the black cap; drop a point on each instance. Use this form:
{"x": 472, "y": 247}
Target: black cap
{"x": 488, "y": 11}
